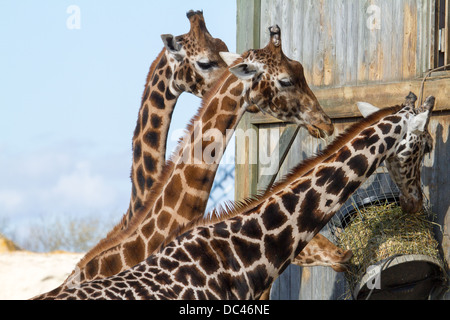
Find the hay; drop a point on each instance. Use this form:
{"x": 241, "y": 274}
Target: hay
{"x": 381, "y": 231}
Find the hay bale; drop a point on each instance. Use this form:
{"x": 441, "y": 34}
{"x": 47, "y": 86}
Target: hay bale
{"x": 378, "y": 232}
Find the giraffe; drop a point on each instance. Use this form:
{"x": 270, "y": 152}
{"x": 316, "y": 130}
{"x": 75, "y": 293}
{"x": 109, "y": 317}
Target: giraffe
{"x": 319, "y": 252}
{"x": 188, "y": 63}
{"x": 237, "y": 256}
{"x": 322, "y": 252}
{"x": 244, "y": 84}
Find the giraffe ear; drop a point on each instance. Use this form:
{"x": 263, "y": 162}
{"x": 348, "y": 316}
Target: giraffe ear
{"x": 245, "y": 70}
{"x": 366, "y": 108}
{"x": 229, "y": 57}
{"x": 172, "y": 46}
{"x": 420, "y": 122}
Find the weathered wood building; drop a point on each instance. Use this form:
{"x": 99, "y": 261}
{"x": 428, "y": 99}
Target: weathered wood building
{"x": 351, "y": 50}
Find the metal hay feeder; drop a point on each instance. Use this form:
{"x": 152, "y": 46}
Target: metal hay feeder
{"x": 395, "y": 255}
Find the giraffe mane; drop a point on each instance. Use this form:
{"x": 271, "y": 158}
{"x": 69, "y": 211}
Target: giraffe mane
{"x": 232, "y": 209}
{"x": 153, "y": 67}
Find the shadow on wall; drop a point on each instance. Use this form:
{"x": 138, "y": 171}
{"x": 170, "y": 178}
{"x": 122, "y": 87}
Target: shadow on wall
{"x": 435, "y": 176}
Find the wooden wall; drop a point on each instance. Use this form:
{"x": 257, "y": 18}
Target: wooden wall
{"x": 352, "y": 50}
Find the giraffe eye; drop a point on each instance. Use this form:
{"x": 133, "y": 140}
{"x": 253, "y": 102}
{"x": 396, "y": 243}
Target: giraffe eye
{"x": 285, "y": 82}
{"x": 206, "y": 65}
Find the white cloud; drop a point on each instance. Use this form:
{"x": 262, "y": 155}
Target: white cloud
{"x": 55, "y": 180}
{"x": 81, "y": 188}
{"x": 10, "y": 200}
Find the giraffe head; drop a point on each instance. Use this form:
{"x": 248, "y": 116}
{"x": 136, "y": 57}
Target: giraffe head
{"x": 404, "y": 162}
{"x": 194, "y": 57}
{"x": 278, "y": 86}
{"x": 322, "y": 252}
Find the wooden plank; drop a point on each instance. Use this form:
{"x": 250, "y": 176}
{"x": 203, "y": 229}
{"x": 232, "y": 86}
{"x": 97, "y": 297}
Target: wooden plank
{"x": 313, "y": 62}
{"x": 361, "y": 66}
{"x": 341, "y": 102}
{"x": 352, "y": 44}
{"x": 397, "y": 39}
{"x": 287, "y": 23}
{"x": 434, "y": 31}
{"x": 248, "y": 22}
{"x": 297, "y": 41}
{"x": 284, "y": 146}
{"x": 421, "y": 59}
{"x": 328, "y": 42}
{"x": 268, "y": 155}
{"x": 341, "y": 43}
{"x": 246, "y": 168}
{"x": 385, "y": 34}
{"x": 248, "y": 37}
{"x": 409, "y": 39}
{"x": 373, "y": 42}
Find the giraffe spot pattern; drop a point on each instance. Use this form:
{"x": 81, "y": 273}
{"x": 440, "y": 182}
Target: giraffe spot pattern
{"x": 163, "y": 220}
{"x": 337, "y": 179}
{"x": 247, "y": 251}
{"x": 144, "y": 116}
{"x": 196, "y": 178}
{"x": 149, "y": 163}
{"x": 290, "y": 201}
{"x": 389, "y": 142}
{"x": 140, "y": 178}
{"x": 252, "y": 229}
{"x": 278, "y": 246}
{"x": 385, "y": 127}
{"x": 156, "y": 121}
{"x": 209, "y": 261}
{"x": 157, "y": 100}
{"x": 358, "y": 164}
{"x": 152, "y": 138}
{"x": 137, "y": 152}
{"x": 110, "y": 264}
{"x": 171, "y": 191}
{"x": 310, "y": 204}
{"x": 343, "y": 155}
{"x": 134, "y": 251}
{"x": 348, "y": 190}
{"x": 273, "y": 217}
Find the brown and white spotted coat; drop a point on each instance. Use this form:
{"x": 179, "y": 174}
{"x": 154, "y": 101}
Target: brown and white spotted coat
{"x": 186, "y": 183}
{"x": 238, "y": 257}
{"x": 188, "y": 63}
{"x": 184, "y": 194}
{"x": 319, "y": 252}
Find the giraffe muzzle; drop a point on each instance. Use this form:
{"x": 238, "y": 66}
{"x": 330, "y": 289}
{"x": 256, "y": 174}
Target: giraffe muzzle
{"x": 411, "y": 204}
{"x": 320, "y": 131}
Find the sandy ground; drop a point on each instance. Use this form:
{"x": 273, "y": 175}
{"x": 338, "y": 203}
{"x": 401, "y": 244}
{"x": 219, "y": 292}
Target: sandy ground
{"x": 24, "y": 274}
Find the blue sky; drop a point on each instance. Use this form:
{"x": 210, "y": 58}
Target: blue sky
{"x": 69, "y": 98}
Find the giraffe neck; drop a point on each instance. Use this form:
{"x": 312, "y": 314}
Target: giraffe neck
{"x": 150, "y": 135}
{"x": 182, "y": 194}
{"x": 239, "y": 256}
{"x": 148, "y": 147}
{"x": 284, "y": 222}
